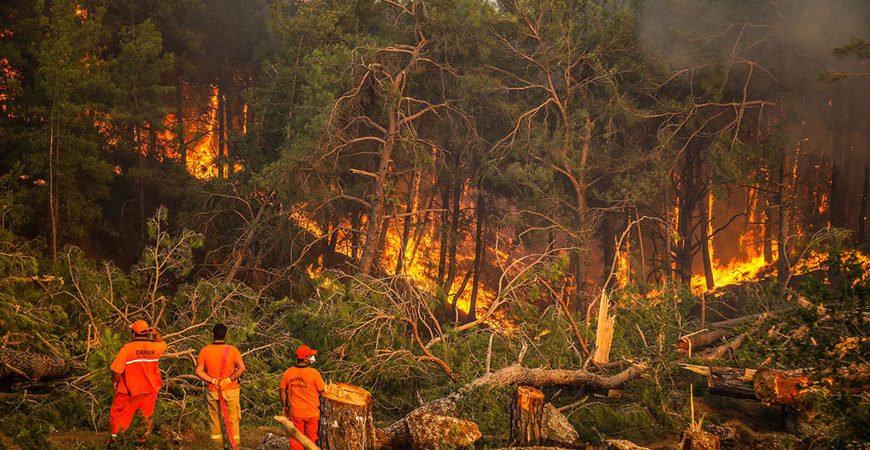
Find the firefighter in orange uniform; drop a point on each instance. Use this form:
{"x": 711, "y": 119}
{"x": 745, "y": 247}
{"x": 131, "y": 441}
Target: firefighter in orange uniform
{"x": 136, "y": 375}
{"x": 300, "y": 390}
{"x": 220, "y": 365}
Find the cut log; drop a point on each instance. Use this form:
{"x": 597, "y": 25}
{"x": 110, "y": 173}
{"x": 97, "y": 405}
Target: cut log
{"x": 432, "y": 432}
{"x": 728, "y": 381}
{"x": 620, "y": 444}
{"x": 294, "y": 432}
{"x": 696, "y": 342}
{"x": 527, "y": 414}
{"x": 346, "y": 418}
{"x": 698, "y": 440}
{"x": 779, "y": 387}
{"x": 18, "y": 365}
{"x": 556, "y": 429}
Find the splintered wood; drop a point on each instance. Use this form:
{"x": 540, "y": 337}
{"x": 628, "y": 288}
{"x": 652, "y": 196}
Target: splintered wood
{"x": 604, "y": 332}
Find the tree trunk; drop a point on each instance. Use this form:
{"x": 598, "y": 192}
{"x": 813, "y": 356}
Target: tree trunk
{"x": 707, "y": 237}
{"x": 865, "y": 193}
{"x": 454, "y": 228}
{"x": 356, "y": 224}
{"x": 346, "y": 418}
{"x": 220, "y": 124}
{"x": 376, "y": 219}
{"x": 406, "y": 222}
{"x": 443, "y": 235}
{"x": 179, "y": 124}
{"x": 52, "y": 194}
{"x": 479, "y": 254}
{"x": 527, "y": 414}
{"x": 28, "y": 366}
{"x": 228, "y": 116}
{"x": 294, "y": 432}
{"x": 782, "y": 266}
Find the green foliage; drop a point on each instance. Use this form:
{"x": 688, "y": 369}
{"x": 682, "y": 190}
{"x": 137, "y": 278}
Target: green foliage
{"x": 488, "y": 407}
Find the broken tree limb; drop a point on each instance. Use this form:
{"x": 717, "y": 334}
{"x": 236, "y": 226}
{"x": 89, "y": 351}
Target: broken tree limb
{"x": 346, "y": 418}
{"x": 695, "y": 342}
{"x": 516, "y": 374}
{"x": 723, "y": 350}
{"x": 294, "y": 432}
{"x": 739, "y": 321}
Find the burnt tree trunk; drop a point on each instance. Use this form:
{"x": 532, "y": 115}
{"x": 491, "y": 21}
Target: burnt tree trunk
{"x": 220, "y": 131}
{"x": 179, "y": 123}
{"x": 444, "y": 233}
{"x": 406, "y": 222}
{"x": 782, "y": 267}
{"x": 479, "y": 254}
{"x": 527, "y": 415}
{"x": 228, "y": 127}
{"x": 707, "y": 236}
{"x": 865, "y": 192}
{"x": 454, "y": 227}
{"x": 346, "y": 418}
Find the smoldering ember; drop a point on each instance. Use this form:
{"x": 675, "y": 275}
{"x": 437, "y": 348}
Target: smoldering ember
{"x": 434, "y": 224}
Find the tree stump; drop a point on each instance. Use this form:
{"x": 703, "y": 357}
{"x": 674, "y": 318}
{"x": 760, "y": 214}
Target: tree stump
{"x": 699, "y": 440}
{"x": 527, "y": 414}
{"x": 346, "y": 418}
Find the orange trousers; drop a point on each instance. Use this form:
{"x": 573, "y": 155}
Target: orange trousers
{"x": 124, "y": 407}
{"x": 308, "y": 427}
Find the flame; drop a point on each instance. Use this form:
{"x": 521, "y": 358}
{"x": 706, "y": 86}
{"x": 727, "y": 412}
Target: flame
{"x": 201, "y": 156}
{"x": 623, "y": 270}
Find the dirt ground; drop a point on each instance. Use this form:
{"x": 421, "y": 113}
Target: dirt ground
{"x": 251, "y": 437}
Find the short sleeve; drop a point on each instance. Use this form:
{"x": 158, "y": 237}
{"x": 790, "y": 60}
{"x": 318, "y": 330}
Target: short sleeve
{"x": 283, "y": 384}
{"x": 319, "y": 384}
{"x": 120, "y": 361}
{"x": 161, "y": 348}
{"x": 200, "y": 359}
{"x": 237, "y": 356}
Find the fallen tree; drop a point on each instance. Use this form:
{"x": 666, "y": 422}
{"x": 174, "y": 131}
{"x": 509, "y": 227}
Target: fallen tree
{"x": 32, "y": 367}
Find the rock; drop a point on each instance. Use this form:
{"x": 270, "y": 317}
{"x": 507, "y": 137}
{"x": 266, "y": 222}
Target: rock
{"x": 556, "y": 428}
{"x": 430, "y": 432}
{"x": 273, "y": 442}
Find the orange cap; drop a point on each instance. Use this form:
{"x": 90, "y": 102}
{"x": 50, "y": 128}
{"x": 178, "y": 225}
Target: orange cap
{"x": 304, "y": 352}
{"x": 140, "y": 327}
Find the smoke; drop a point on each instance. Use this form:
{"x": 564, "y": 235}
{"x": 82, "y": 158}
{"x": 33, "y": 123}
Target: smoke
{"x": 791, "y": 43}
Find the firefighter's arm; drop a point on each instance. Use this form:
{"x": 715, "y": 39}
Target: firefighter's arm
{"x": 285, "y": 406}
{"x": 200, "y": 372}
{"x": 240, "y": 369}
{"x": 116, "y": 378}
